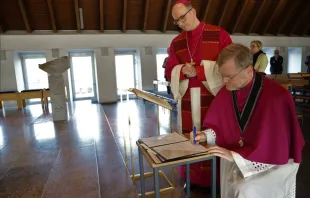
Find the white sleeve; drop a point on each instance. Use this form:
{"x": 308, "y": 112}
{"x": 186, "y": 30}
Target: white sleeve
{"x": 249, "y": 168}
{"x": 211, "y": 136}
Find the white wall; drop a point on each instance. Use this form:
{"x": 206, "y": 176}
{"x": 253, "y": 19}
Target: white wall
{"x": 8, "y": 79}
{"x": 19, "y": 72}
{"x": 105, "y": 63}
{"x": 148, "y": 67}
{"x": 106, "y": 76}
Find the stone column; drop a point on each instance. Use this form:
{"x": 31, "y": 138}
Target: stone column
{"x": 55, "y": 69}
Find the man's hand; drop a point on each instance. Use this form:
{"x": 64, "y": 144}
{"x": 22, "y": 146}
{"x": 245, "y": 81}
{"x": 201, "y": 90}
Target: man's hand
{"x": 221, "y": 152}
{"x": 189, "y": 70}
{"x": 200, "y": 137}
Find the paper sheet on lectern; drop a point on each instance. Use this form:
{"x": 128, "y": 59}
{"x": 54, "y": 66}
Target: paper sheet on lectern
{"x": 163, "y": 139}
{"x": 179, "y": 150}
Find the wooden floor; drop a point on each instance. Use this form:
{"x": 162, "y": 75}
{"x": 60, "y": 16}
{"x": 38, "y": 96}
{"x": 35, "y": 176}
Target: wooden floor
{"x": 92, "y": 154}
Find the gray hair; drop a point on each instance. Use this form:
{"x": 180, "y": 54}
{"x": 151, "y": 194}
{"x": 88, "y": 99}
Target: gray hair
{"x": 240, "y": 53}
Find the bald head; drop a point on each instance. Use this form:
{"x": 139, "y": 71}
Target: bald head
{"x": 185, "y": 16}
{"x": 180, "y": 9}
{"x": 276, "y": 52}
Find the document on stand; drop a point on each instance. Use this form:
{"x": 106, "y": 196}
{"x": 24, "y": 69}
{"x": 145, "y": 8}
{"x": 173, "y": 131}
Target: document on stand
{"x": 169, "y": 138}
{"x": 170, "y": 147}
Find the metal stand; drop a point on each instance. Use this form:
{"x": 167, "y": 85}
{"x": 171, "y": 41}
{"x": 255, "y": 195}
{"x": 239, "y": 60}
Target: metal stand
{"x": 134, "y": 176}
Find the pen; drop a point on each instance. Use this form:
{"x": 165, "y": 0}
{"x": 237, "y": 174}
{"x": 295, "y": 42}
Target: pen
{"x": 194, "y": 134}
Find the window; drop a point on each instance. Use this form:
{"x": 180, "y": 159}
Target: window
{"x": 82, "y": 75}
{"x": 294, "y": 59}
{"x": 160, "y": 58}
{"x": 125, "y": 71}
{"x": 269, "y": 53}
{"x": 34, "y": 77}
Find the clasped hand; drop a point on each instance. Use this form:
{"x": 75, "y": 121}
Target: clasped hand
{"x": 189, "y": 70}
{"x": 214, "y": 150}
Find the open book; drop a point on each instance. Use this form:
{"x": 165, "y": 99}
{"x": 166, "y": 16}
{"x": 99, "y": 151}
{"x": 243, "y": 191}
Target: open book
{"x": 171, "y": 147}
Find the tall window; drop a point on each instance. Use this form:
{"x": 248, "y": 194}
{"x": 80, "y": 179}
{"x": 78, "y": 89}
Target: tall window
{"x": 125, "y": 71}
{"x": 34, "y": 77}
{"x": 269, "y": 53}
{"x": 294, "y": 59}
{"x": 82, "y": 75}
{"x": 160, "y": 58}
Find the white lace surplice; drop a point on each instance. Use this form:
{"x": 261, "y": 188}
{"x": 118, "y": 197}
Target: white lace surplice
{"x": 243, "y": 178}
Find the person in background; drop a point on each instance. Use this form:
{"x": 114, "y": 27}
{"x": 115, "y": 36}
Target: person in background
{"x": 164, "y": 66}
{"x": 276, "y": 63}
{"x": 260, "y": 59}
{"x": 260, "y": 152}
{"x": 307, "y": 63}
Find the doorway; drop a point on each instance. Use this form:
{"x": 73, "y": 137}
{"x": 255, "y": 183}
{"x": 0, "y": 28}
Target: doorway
{"x": 82, "y": 76}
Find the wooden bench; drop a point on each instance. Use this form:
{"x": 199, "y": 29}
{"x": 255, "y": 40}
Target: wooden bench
{"x": 46, "y": 93}
{"x": 296, "y": 79}
{"x": 289, "y": 76}
{"x": 158, "y": 82}
{"x": 10, "y": 95}
{"x": 31, "y": 94}
{"x": 299, "y": 115}
{"x": 21, "y": 97}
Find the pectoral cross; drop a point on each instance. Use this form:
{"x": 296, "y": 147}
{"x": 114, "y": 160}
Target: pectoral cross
{"x": 241, "y": 143}
{"x": 192, "y": 62}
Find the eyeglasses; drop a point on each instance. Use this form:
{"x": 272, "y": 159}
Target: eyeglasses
{"x": 232, "y": 77}
{"x": 181, "y": 18}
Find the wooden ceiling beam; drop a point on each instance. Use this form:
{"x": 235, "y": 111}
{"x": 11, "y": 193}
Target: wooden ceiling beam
{"x": 2, "y": 29}
{"x": 101, "y": 16}
{"x": 287, "y": 17}
{"x": 279, "y": 7}
{"x": 304, "y": 16}
{"x": 124, "y": 16}
{"x": 166, "y": 15}
{"x": 239, "y": 17}
{"x": 224, "y": 12}
{"x": 146, "y": 13}
{"x": 257, "y": 16}
{"x": 306, "y": 30}
{"x": 208, "y": 7}
{"x": 77, "y": 15}
{"x": 24, "y": 15}
{"x": 52, "y": 16}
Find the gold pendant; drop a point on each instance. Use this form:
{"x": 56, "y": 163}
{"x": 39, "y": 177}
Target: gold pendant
{"x": 241, "y": 143}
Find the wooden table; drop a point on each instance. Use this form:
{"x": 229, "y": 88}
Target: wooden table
{"x": 186, "y": 162}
